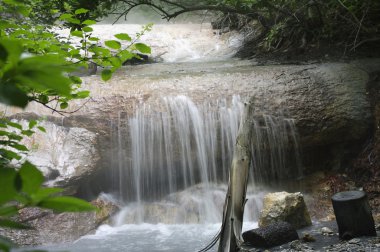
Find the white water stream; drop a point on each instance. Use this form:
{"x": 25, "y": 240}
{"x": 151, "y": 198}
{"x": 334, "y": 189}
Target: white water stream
{"x": 171, "y": 165}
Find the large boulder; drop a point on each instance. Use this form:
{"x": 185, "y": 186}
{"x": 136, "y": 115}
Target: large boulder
{"x": 283, "y": 206}
{"x": 67, "y": 156}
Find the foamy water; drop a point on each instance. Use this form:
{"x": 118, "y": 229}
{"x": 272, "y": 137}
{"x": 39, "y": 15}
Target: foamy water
{"x": 175, "y": 42}
{"x": 146, "y": 238}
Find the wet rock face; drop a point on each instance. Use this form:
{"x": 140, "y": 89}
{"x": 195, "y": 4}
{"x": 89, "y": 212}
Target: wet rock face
{"x": 67, "y": 156}
{"x": 283, "y": 206}
{"x": 328, "y": 102}
{"x": 330, "y": 108}
{"x": 52, "y": 228}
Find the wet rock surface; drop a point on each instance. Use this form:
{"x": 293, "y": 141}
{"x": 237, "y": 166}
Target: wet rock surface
{"x": 283, "y": 206}
{"x": 272, "y": 235}
{"x": 67, "y": 156}
{"x": 323, "y": 242}
{"x": 52, "y": 228}
{"x": 328, "y": 101}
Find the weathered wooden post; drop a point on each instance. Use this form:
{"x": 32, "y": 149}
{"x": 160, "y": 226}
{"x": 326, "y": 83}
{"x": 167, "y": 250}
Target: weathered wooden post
{"x": 353, "y": 214}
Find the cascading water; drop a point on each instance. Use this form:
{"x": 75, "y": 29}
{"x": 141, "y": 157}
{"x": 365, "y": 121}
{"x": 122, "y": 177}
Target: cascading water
{"x": 176, "y": 147}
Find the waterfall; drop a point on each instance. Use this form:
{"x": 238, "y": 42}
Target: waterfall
{"x": 173, "y": 158}
{"x": 275, "y": 150}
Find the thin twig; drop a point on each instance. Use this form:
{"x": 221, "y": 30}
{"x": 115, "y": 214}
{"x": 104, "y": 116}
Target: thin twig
{"x": 365, "y": 41}
{"x": 360, "y": 25}
{"x": 55, "y": 110}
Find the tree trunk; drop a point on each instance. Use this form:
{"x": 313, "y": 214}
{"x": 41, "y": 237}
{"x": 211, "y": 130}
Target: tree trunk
{"x": 231, "y": 231}
{"x": 353, "y": 214}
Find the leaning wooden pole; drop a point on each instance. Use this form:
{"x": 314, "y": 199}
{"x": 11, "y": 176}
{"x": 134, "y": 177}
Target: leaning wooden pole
{"x": 230, "y": 237}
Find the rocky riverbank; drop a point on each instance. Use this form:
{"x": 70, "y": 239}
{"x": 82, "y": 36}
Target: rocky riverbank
{"x": 323, "y": 236}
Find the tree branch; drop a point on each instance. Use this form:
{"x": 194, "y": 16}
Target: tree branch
{"x": 55, "y": 110}
{"x": 178, "y": 9}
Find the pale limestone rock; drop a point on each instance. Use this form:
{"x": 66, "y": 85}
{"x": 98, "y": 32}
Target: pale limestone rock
{"x": 283, "y": 206}
{"x": 66, "y": 155}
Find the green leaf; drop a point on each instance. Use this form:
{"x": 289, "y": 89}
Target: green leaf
{"x": 73, "y": 20}
{"x": 63, "y": 105}
{"x": 81, "y": 11}
{"x": 44, "y": 193}
{"x": 7, "y": 182}
{"x": 113, "y": 44}
{"x": 43, "y": 98}
{"x": 106, "y": 74}
{"x": 77, "y": 33}
{"x": 27, "y": 132}
{"x": 8, "y": 211}
{"x": 31, "y": 178}
{"x": 123, "y": 36}
{"x": 13, "y": 224}
{"x": 7, "y": 154}
{"x": 100, "y": 51}
{"x": 89, "y": 22}
{"x": 65, "y": 16}
{"x": 87, "y": 29}
{"x": 15, "y": 125}
{"x": 143, "y": 48}
{"x": 74, "y": 51}
{"x": 125, "y": 55}
{"x": 10, "y": 135}
{"x": 17, "y": 146}
{"x": 14, "y": 49}
{"x": 83, "y": 94}
{"x": 93, "y": 39}
{"x": 66, "y": 204}
{"x": 115, "y": 61}
{"x": 45, "y": 72}
{"x": 41, "y": 129}
{"x": 4, "y": 24}
{"x": 3, "y": 55}
{"x": 75, "y": 79}
{"x": 4, "y": 133}
{"x": 32, "y": 124}
{"x": 12, "y": 95}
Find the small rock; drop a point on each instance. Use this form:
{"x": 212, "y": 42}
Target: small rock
{"x": 354, "y": 241}
{"x": 297, "y": 245}
{"x": 377, "y": 227}
{"x": 308, "y": 238}
{"x": 326, "y": 231}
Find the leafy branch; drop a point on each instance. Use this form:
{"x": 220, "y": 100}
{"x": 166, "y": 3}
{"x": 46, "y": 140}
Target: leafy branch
{"x": 36, "y": 65}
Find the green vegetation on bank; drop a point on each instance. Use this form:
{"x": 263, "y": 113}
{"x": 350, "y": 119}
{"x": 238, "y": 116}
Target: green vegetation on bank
{"x": 37, "y": 65}
{"x": 273, "y": 25}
